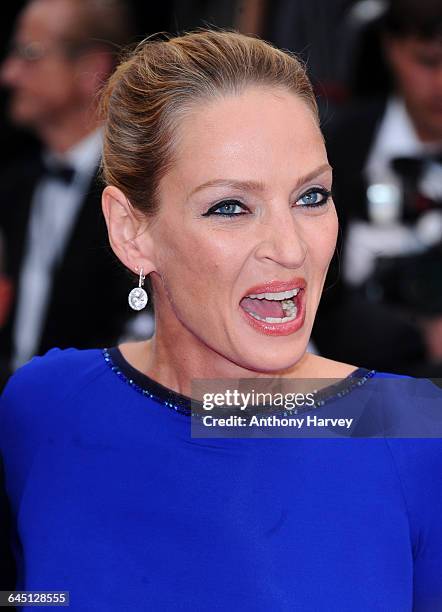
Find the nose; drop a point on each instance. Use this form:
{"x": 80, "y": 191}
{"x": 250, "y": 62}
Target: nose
{"x": 281, "y": 239}
{"x": 10, "y": 71}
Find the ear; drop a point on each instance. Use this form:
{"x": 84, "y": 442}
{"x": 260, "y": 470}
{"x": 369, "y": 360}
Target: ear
{"x": 93, "y": 69}
{"x": 129, "y": 234}
{"x": 390, "y": 47}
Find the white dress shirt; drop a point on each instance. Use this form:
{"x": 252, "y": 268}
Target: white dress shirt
{"x": 54, "y": 209}
{"x": 385, "y": 234}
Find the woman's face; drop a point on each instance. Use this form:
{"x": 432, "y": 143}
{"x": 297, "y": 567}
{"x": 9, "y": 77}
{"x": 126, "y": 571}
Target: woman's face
{"x": 245, "y": 230}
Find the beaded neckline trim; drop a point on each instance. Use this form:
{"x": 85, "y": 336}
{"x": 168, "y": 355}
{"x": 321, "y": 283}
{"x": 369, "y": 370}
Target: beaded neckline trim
{"x": 182, "y": 404}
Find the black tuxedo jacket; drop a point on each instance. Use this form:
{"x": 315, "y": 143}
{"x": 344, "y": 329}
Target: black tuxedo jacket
{"x": 349, "y": 138}
{"x": 349, "y": 328}
{"x": 88, "y": 298}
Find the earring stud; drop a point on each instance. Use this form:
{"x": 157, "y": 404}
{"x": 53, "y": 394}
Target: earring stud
{"x": 138, "y": 297}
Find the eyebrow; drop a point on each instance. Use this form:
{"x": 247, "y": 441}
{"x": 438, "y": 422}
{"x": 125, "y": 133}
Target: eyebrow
{"x": 258, "y": 186}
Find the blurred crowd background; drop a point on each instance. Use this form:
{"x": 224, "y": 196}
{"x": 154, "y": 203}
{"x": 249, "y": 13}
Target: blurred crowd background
{"x": 377, "y": 70}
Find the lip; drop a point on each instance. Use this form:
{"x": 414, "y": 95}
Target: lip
{"x": 279, "y": 329}
{"x": 277, "y": 286}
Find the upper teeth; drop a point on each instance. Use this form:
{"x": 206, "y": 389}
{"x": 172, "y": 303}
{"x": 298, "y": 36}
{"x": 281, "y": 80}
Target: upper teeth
{"x": 282, "y": 295}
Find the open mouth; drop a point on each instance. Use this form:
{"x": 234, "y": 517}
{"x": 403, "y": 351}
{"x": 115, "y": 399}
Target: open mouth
{"x": 272, "y": 307}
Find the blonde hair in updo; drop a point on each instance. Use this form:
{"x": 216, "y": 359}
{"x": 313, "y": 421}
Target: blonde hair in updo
{"x": 160, "y": 80}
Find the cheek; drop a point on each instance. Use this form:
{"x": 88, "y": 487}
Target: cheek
{"x": 321, "y": 241}
{"x": 414, "y": 80}
{"x": 202, "y": 261}
{"x": 60, "y": 82}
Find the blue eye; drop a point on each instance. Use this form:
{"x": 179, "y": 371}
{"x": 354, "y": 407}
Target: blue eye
{"x": 228, "y": 208}
{"x": 314, "y": 197}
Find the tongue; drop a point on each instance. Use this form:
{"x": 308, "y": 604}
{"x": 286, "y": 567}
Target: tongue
{"x": 263, "y": 308}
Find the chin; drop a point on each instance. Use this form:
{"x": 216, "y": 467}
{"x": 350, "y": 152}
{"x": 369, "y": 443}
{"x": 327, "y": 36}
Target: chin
{"x": 273, "y": 355}
{"x": 22, "y": 114}
{"x": 273, "y": 348}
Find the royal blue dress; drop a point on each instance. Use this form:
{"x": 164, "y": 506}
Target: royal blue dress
{"x": 113, "y": 499}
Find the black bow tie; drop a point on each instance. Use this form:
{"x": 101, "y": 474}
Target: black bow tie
{"x": 62, "y": 173}
{"x": 411, "y": 167}
{"x": 57, "y": 171}
{"x": 410, "y": 170}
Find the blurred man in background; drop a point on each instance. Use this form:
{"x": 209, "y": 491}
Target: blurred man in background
{"x": 5, "y": 301}
{"x": 387, "y": 159}
{"x": 68, "y": 288}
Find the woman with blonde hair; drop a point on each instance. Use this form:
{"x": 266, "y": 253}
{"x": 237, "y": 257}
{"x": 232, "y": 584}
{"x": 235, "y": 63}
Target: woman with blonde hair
{"x": 219, "y": 192}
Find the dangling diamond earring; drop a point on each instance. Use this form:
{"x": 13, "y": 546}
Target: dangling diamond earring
{"x": 138, "y": 297}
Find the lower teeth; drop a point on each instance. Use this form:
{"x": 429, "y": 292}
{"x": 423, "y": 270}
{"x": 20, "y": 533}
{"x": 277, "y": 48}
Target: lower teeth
{"x": 292, "y": 317}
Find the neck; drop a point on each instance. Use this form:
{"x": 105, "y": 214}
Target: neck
{"x": 175, "y": 359}
{"x": 65, "y": 132}
{"x": 425, "y": 133}
{"x": 428, "y": 136}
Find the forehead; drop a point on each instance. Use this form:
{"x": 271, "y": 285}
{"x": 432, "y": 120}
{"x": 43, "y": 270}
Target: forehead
{"x": 46, "y": 20}
{"x": 417, "y": 44}
{"x": 255, "y": 135}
